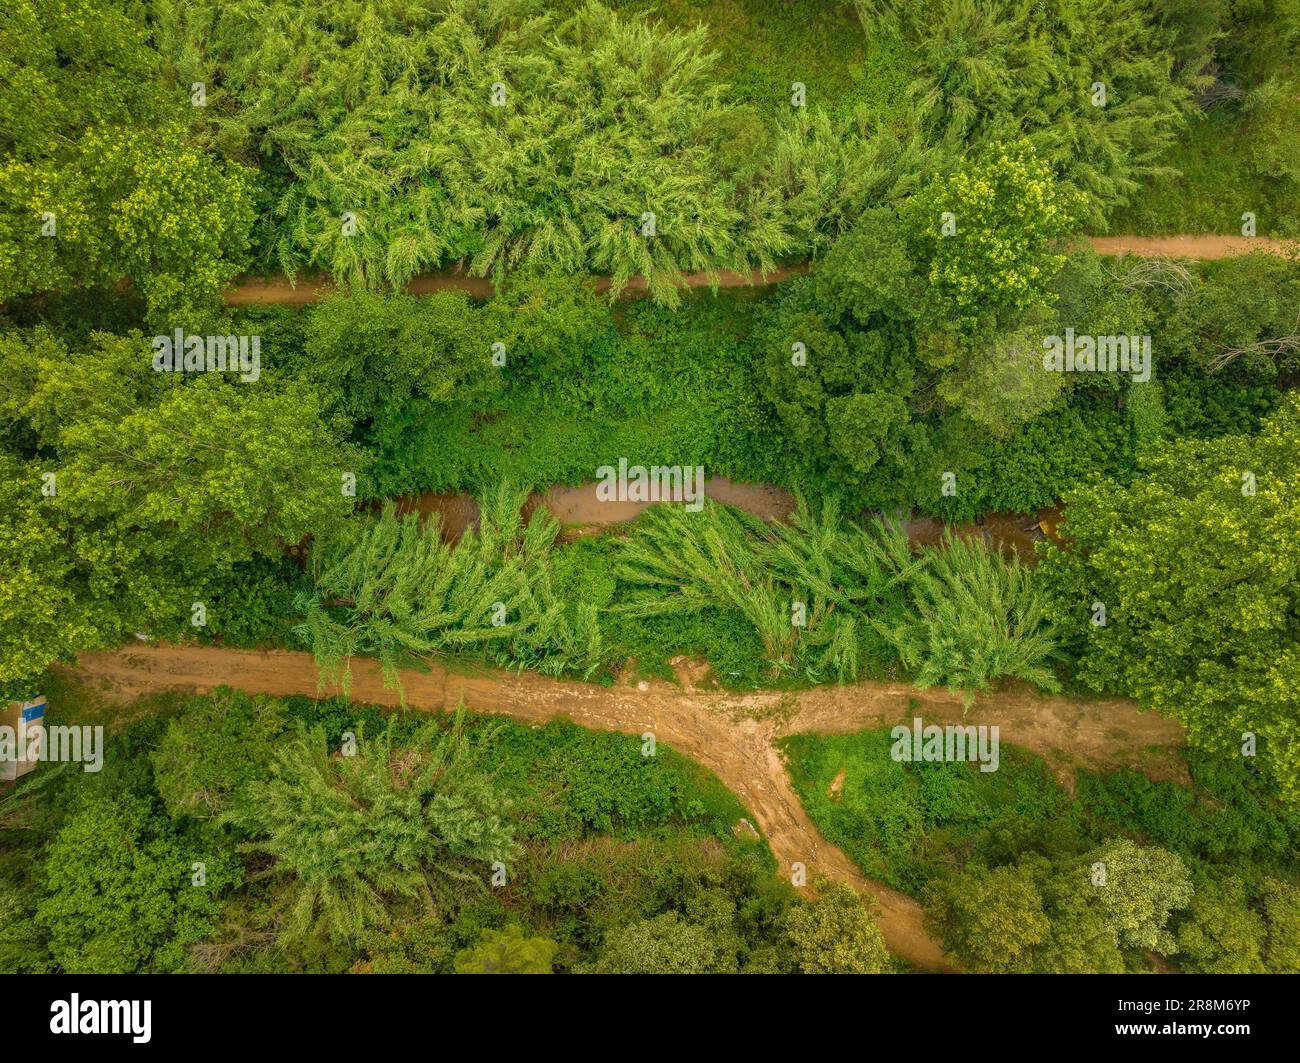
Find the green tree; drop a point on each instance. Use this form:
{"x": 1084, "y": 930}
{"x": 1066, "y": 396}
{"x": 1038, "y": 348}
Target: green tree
{"x": 120, "y": 890}
{"x": 992, "y": 920}
{"x": 46, "y": 611}
{"x": 984, "y": 237}
{"x": 178, "y": 220}
{"x": 135, "y": 488}
{"x": 976, "y": 616}
{"x": 507, "y": 952}
{"x": 666, "y": 944}
{"x": 368, "y": 351}
{"x": 98, "y": 180}
{"x": 945, "y": 298}
{"x": 354, "y": 833}
{"x": 1221, "y": 934}
{"x": 991, "y": 70}
{"x": 412, "y": 945}
{"x": 23, "y": 945}
{"x": 999, "y": 381}
{"x": 67, "y": 65}
{"x": 842, "y": 389}
{"x": 217, "y": 745}
{"x": 229, "y": 470}
{"x": 835, "y": 934}
{"x": 1138, "y": 887}
{"x": 1082, "y": 939}
{"x": 869, "y": 273}
{"x": 1282, "y": 913}
{"x": 1197, "y": 567}
{"x": 488, "y": 131}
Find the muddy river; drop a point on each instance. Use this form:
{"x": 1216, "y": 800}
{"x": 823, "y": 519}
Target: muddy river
{"x": 581, "y": 511}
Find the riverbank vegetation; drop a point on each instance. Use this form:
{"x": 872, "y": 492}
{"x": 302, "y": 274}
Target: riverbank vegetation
{"x": 297, "y": 457}
{"x": 817, "y": 598}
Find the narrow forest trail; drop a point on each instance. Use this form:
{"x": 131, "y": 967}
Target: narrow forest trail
{"x": 281, "y": 291}
{"x": 1202, "y": 247}
{"x": 733, "y": 735}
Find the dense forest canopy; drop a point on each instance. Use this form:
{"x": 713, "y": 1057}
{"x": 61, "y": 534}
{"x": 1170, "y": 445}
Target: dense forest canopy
{"x": 178, "y": 468}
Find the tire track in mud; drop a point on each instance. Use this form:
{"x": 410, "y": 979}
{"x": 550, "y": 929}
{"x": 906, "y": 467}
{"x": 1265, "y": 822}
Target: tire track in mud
{"x": 733, "y": 735}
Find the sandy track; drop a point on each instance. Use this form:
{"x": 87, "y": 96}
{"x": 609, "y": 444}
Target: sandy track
{"x": 734, "y": 736}
{"x": 279, "y": 290}
{"x": 1204, "y": 247}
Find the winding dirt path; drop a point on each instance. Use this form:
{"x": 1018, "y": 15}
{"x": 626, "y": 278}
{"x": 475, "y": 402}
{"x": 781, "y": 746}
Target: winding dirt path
{"x": 733, "y": 735}
{"x": 280, "y": 291}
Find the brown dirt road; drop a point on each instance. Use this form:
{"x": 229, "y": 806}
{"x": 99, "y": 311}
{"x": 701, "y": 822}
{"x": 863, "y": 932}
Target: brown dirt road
{"x": 280, "y": 291}
{"x": 733, "y": 735}
{"x": 1203, "y": 247}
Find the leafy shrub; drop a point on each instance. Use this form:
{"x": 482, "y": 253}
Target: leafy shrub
{"x": 393, "y": 588}
{"x": 676, "y": 561}
{"x": 368, "y": 352}
{"x": 906, "y": 823}
{"x": 252, "y": 604}
{"x": 835, "y": 934}
{"x": 120, "y": 897}
{"x": 218, "y": 744}
{"x": 976, "y": 617}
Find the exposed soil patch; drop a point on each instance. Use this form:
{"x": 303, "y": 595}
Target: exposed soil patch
{"x": 1202, "y": 247}
{"x": 837, "y": 785}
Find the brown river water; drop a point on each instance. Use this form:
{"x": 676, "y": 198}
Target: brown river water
{"x": 581, "y": 512}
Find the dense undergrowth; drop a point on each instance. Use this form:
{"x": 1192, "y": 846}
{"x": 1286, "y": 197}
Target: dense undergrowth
{"x": 457, "y": 843}
{"x": 1205, "y": 875}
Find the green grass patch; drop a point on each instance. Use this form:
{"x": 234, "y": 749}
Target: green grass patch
{"x": 764, "y": 46}
{"x": 1214, "y": 185}
{"x": 908, "y": 824}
